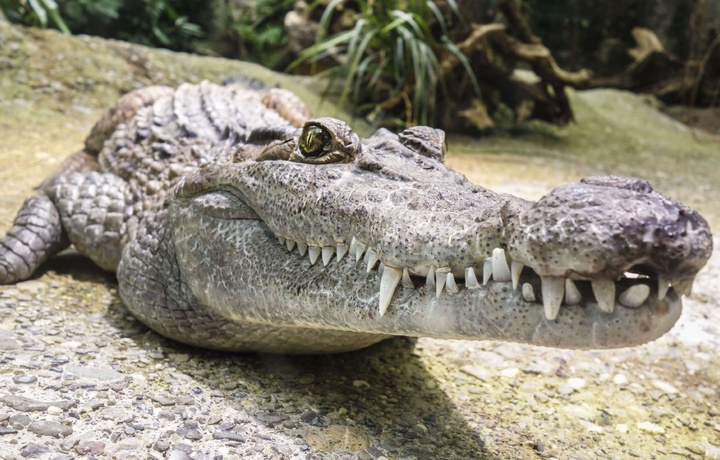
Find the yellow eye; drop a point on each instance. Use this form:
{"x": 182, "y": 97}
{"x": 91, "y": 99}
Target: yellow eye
{"x": 313, "y": 141}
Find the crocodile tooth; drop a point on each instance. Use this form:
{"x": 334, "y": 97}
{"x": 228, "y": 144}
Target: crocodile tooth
{"x": 487, "y": 271}
{"x": 528, "y": 292}
{"x": 604, "y": 291}
{"x": 381, "y": 268}
{"x": 516, "y": 269}
{"x": 327, "y": 253}
{"x": 450, "y": 284}
{"x": 353, "y": 247}
{"x": 683, "y": 286}
{"x": 290, "y": 244}
{"x": 314, "y": 253}
{"x": 471, "y": 281}
{"x": 572, "y": 295}
{"x": 342, "y": 249}
{"x": 371, "y": 258}
{"x": 553, "y": 291}
{"x": 440, "y": 278}
{"x": 663, "y": 286}
{"x": 500, "y": 269}
{"x": 359, "y": 251}
{"x": 406, "y": 281}
{"x": 389, "y": 281}
{"x": 281, "y": 239}
{"x": 302, "y": 248}
{"x": 634, "y": 296}
{"x": 430, "y": 279}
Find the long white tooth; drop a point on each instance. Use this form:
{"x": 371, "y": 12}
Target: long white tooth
{"x": 604, "y": 291}
{"x": 342, "y": 249}
{"x": 528, "y": 292}
{"x": 450, "y": 284}
{"x": 359, "y": 251}
{"x": 553, "y": 291}
{"x": 516, "y": 269}
{"x": 440, "y": 278}
{"x": 572, "y": 295}
{"x": 663, "y": 286}
{"x": 684, "y": 286}
{"x": 371, "y": 259}
{"x": 487, "y": 271}
{"x": 389, "y": 281}
{"x": 281, "y": 239}
{"x": 430, "y": 278}
{"x": 302, "y": 248}
{"x": 471, "y": 281}
{"x": 500, "y": 269}
{"x": 406, "y": 281}
{"x": 290, "y": 244}
{"x": 327, "y": 253}
{"x": 353, "y": 247}
{"x": 634, "y": 296}
{"x": 314, "y": 253}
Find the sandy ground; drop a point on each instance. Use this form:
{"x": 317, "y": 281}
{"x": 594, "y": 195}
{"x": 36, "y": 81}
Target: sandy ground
{"x": 81, "y": 378}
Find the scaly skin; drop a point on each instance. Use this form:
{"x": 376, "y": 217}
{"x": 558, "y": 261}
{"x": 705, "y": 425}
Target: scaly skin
{"x": 232, "y": 228}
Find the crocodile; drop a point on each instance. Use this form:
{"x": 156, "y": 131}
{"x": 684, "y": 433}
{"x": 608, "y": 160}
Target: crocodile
{"x": 236, "y": 221}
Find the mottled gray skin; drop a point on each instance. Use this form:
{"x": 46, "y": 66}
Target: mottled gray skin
{"x": 212, "y": 205}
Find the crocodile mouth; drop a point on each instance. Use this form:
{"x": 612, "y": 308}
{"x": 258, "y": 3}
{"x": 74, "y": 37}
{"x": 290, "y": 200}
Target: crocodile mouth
{"x": 631, "y": 289}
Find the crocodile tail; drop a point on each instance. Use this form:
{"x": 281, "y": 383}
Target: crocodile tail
{"x": 36, "y": 235}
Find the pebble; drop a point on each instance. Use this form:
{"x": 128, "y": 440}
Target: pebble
{"x": 25, "y": 378}
{"x": 651, "y": 427}
{"x": 479, "y": 372}
{"x": 7, "y": 340}
{"x": 24, "y": 404}
{"x": 90, "y": 447}
{"x": 32, "y": 286}
{"x": 665, "y": 387}
{"x": 50, "y": 428}
{"x": 163, "y": 400}
{"x": 97, "y": 373}
{"x": 54, "y": 410}
{"x": 620, "y": 379}
{"x": 32, "y": 450}
{"x": 229, "y": 435}
{"x": 510, "y": 372}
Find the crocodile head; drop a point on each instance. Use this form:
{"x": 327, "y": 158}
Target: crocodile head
{"x": 320, "y": 229}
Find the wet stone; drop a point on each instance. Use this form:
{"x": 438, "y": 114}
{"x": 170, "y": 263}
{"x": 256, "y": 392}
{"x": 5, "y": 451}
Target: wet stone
{"x": 163, "y": 400}
{"x": 24, "y": 404}
{"x": 229, "y": 435}
{"x": 33, "y": 450}
{"x": 90, "y": 447}
{"x": 7, "y": 430}
{"x": 49, "y": 428}
{"x": 19, "y": 421}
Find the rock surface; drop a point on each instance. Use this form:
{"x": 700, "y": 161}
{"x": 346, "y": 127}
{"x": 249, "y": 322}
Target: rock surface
{"x": 80, "y": 377}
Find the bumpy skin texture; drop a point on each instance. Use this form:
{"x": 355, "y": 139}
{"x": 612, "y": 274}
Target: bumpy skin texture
{"x": 235, "y": 222}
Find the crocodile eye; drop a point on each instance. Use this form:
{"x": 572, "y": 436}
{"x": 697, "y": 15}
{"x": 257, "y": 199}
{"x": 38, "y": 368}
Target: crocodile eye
{"x": 313, "y": 141}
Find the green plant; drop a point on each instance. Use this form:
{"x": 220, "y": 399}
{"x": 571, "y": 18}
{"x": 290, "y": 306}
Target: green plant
{"x": 34, "y": 13}
{"x": 262, "y": 31}
{"x": 394, "y": 51}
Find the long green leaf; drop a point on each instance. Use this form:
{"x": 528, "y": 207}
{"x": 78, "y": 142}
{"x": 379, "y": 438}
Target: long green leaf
{"x": 54, "y": 13}
{"x": 465, "y": 62}
{"x": 325, "y": 20}
{"x": 314, "y": 51}
{"x": 39, "y": 12}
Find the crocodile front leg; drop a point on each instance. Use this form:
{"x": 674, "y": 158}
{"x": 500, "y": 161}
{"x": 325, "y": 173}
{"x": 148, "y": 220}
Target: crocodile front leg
{"x": 98, "y": 213}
